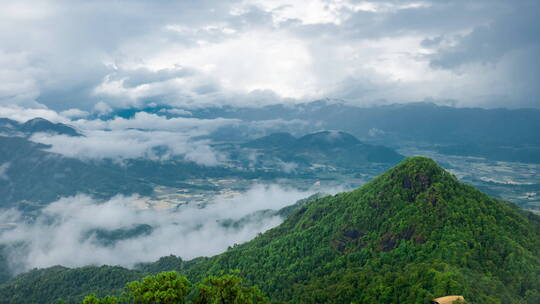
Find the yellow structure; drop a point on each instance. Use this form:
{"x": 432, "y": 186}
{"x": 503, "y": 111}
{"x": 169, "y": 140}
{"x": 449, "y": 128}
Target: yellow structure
{"x": 448, "y": 300}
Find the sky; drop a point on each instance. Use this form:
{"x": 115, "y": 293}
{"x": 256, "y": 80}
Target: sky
{"x": 97, "y": 55}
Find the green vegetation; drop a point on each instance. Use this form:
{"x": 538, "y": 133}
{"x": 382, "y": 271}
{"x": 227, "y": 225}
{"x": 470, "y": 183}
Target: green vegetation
{"x": 413, "y": 234}
{"x": 70, "y": 285}
{"x": 171, "y": 288}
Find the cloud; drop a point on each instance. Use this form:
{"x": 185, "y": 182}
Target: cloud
{"x": 287, "y": 167}
{"x": 259, "y": 52}
{"x": 130, "y": 144}
{"x": 143, "y": 136}
{"x": 65, "y": 232}
{"x": 143, "y": 120}
{"x": 179, "y": 112}
{"x": 23, "y": 114}
{"x": 496, "y": 61}
{"x": 74, "y": 113}
{"x": 17, "y": 80}
{"x": 102, "y": 108}
{"x": 3, "y": 171}
{"x": 211, "y": 71}
{"x": 142, "y": 76}
{"x": 488, "y": 43}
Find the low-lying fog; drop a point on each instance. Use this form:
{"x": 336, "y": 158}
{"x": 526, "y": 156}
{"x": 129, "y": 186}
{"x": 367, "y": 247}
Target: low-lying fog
{"x": 70, "y": 231}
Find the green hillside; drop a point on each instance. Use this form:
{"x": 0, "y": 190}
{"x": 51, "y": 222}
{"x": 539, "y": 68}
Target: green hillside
{"x": 410, "y": 235}
{"x": 413, "y": 234}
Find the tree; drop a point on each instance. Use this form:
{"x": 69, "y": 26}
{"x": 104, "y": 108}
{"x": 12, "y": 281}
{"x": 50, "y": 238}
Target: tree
{"x": 227, "y": 289}
{"x": 164, "y": 288}
{"x": 172, "y": 288}
{"x": 93, "y": 299}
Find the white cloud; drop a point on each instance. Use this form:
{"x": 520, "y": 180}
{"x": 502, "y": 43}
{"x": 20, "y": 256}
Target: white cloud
{"x": 179, "y": 112}
{"x": 143, "y": 120}
{"x": 384, "y": 6}
{"x": 307, "y": 12}
{"x": 102, "y": 108}
{"x": 3, "y": 170}
{"x": 57, "y": 235}
{"x": 324, "y": 12}
{"x": 288, "y": 167}
{"x": 74, "y": 113}
{"x": 224, "y": 52}
{"x": 251, "y": 61}
{"x": 17, "y": 80}
{"x": 129, "y": 144}
{"x": 138, "y": 137}
{"x": 22, "y": 114}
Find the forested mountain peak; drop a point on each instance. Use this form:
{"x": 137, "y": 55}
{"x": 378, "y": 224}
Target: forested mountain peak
{"x": 413, "y": 234}
{"x": 418, "y": 174}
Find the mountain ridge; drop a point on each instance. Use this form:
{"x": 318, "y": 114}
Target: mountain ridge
{"x": 328, "y": 146}
{"x": 37, "y": 125}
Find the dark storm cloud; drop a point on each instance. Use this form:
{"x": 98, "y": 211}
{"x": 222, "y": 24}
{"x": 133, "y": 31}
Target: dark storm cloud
{"x": 515, "y": 30}
{"x": 508, "y": 46}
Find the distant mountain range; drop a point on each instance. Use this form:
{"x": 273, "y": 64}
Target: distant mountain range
{"x": 498, "y": 134}
{"x": 413, "y": 234}
{"x": 332, "y": 148}
{"x": 32, "y": 176}
{"x": 36, "y": 125}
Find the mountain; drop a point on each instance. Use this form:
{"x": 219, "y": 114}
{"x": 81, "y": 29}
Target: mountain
{"x": 317, "y": 140}
{"x": 36, "y": 125}
{"x": 260, "y": 215}
{"x": 497, "y": 134}
{"x": 422, "y": 121}
{"x": 32, "y": 177}
{"x": 8, "y": 126}
{"x": 42, "y": 125}
{"x": 328, "y": 139}
{"x": 280, "y": 140}
{"x": 454, "y": 131}
{"x": 334, "y": 148}
{"x": 413, "y": 234}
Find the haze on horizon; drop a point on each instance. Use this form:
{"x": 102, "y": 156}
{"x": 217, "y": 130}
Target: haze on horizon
{"x": 93, "y": 56}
